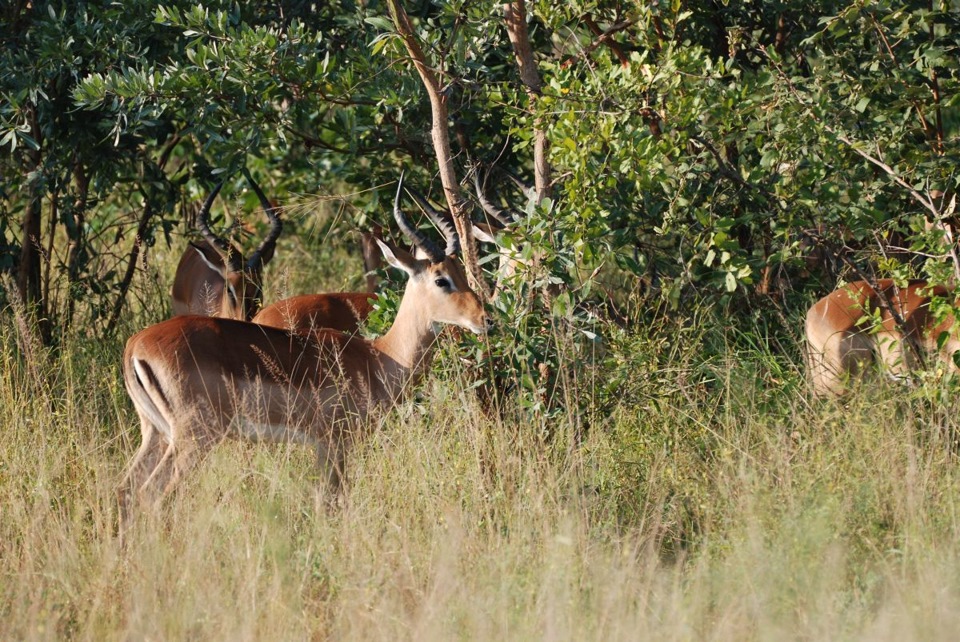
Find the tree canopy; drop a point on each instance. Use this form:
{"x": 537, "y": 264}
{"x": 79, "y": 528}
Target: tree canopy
{"x": 738, "y": 152}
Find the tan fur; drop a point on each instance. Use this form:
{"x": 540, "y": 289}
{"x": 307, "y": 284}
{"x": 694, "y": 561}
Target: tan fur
{"x": 838, "y": 346}
{"x": 343, "y": 311}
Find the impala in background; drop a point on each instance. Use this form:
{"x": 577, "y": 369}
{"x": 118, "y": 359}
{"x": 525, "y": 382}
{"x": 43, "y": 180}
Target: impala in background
{"x": 342, "y": 311}
{"x": 841, "y": 341}
{"x": 197, "y": 380}
{"x": 213, "y": 279}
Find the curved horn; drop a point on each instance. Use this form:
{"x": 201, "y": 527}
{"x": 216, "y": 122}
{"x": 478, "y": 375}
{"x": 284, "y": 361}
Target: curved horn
{"x": 500, "y": 215}
{"x": 443, "y": 222}
{"x": 528, "y": 190}
{"x": 431, "y": 249}
{"x": 262, "y": 255}
{"x": 230, "y": 255}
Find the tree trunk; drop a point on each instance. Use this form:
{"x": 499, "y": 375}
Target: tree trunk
{"x": 31, "y": 236}
{"x": 76, "y": 234}
{"x": 515, "y": 17}
{"x": 441, "y": 146}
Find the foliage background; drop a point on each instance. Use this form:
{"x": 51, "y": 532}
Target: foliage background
{"x": 703, "y": 151}
{"x": 656, "y": 464}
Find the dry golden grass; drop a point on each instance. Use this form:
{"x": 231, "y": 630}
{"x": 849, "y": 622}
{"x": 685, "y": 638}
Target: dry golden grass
{"x": 709, "y": 499}
{"x": 704, "y": 514}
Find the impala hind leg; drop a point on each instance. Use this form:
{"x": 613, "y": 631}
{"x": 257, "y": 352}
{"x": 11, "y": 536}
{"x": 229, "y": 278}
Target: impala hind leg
{"x": 140, "y": 469}
{"x": 179, "y": 456}
{"x": 833, "y": 360}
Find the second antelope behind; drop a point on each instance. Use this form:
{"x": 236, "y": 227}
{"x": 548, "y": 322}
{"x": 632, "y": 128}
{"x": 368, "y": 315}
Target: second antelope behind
{"x": 213, "y": 279}
{"x": 841, "y": 340}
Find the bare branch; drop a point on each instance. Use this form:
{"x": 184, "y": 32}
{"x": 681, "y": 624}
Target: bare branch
{"x": 515, "y": 18}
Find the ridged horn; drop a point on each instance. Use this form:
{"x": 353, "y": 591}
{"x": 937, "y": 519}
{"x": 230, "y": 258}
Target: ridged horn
{"x": 262, "y": 255}
{"x": 431, "y": 249}
{"x": 231, "y": 256}
{"x": 528, "y": 190}
{"x": 443, "y": 222}
{"x": 500, "y": 215}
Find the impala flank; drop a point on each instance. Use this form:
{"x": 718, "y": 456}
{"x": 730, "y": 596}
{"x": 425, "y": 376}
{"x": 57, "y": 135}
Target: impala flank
{"x": 840, "y": 343}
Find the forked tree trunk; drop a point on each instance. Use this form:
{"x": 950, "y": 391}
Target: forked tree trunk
{"x": 441, "y": 145}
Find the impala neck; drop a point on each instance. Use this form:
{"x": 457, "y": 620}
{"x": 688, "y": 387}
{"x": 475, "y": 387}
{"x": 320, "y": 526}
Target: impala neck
{"x": 407, "y": 343}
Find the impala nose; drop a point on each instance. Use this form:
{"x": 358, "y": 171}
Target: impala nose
{"x": 481, "y": 328}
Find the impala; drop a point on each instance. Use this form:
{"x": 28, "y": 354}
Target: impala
{"x": 839, "y": 343}
{"x": 343, "y": 311}
{"x": 196, "y": 380}
{"x": 212, "y": 278}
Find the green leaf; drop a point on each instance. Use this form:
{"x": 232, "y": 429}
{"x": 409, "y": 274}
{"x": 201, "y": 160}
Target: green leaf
{"x": 384, "y": 24}
{"x": 29, "y": 140}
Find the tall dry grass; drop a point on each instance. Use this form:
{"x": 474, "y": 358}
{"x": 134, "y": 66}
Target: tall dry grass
{"x": 715, "y": 502}
{"x": 700, "y": 494}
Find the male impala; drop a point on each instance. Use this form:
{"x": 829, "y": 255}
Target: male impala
{"x": 196, "y": 380}
{"x": 212, "y": 279}
{"x": 839, "y": 343}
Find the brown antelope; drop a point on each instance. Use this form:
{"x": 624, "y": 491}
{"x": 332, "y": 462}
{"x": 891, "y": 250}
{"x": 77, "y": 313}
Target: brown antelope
{"x": 840, "y": 342}
{"x": 196, "y": 380}
{"x": 212, "y": 278}
{"x": 343, "y": 311}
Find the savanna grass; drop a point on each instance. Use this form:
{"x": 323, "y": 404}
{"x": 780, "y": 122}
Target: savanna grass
{"x": 703, "y": 514}
{"x": 686, "y": 487}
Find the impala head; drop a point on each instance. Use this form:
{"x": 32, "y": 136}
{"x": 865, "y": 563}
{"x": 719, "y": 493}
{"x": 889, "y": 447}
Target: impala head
{"x": 242, "y": 285}
{"x": 437, "y": 283}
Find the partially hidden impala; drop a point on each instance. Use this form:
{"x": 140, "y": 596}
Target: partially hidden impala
{"x": 213, "y": 278}
{"x": 197, "y": 380}
{"x": 841, "y": 341}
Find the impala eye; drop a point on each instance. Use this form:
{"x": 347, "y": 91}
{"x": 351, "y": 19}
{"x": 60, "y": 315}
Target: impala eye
{"x": 442, "y": 283}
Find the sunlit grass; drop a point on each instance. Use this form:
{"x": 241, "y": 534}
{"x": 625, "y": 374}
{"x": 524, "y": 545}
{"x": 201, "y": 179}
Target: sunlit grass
{"x": 703, "y": 514}
{"x": 701, "y": 494}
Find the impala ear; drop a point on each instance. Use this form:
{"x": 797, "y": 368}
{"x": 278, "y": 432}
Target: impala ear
{"x": 219, "y": 268}
{"x": 399, "y": 258}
